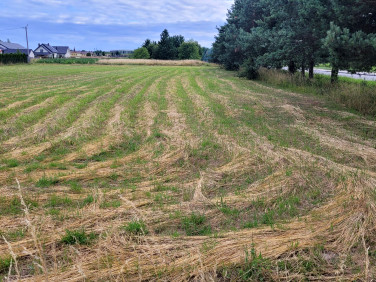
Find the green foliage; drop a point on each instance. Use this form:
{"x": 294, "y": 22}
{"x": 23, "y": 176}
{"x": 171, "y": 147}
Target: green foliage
{"x": 45, "y": 182}
{"x": 58, "y": 201}
{"x": 5, "y": 263}
{"x": 136, "y": 227}
{"x": 172, "y": 48}
{"x": 77, "y": 237}
{"x": 277, "y": 33}
{"x": 195, "y": 224}
{"x": 189, "y": 51}
{"x": 11, "y": 163}
{"x": 17, "y": 58}
{"x": 255, "y": 268}
{"x": 141, "y": 53}
{"x": 13, "y": 206}
{"x": 75, "y": 187}
{"x": 68, "y": 61}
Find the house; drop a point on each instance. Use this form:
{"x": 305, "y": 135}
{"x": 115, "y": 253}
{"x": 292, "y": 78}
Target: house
{"x": 22, "y": 51}
{"x": 80, "y": 54}
{"x": 63, "y": 51}
{"x": 13, "y": 48}
{"x": 45, "y": 51}
{"x": 48, "y": 51}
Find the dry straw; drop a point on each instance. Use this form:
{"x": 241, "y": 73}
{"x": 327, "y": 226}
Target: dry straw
{"x": 153, "y": 62}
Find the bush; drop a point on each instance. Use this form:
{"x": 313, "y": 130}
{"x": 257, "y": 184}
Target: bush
{"x": 189, "y": 51}
{"x": 141, "y": 53}
{"x": 68, "y": 61}
{"x": 13, "y": 59}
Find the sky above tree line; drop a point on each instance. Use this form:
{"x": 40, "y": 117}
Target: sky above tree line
{"x": 110, "y": 24}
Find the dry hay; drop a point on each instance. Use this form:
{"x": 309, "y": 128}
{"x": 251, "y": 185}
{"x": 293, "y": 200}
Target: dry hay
{"x": 165, "y": 178}
{"x": 152, "y": 62}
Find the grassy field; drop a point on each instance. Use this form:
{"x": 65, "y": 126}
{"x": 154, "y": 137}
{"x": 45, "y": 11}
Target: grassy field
{"x": 174, "y": 173}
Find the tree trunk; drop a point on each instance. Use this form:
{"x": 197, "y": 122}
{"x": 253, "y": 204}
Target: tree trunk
{"x": 334, "y": 77}
{"x": 311, "y": 66}
{"x": 292, "y": 67}
{"x": 303, "y": 70}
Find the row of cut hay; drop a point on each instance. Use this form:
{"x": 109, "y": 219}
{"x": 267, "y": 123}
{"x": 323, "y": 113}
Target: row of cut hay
{"x": 153, "y": 62}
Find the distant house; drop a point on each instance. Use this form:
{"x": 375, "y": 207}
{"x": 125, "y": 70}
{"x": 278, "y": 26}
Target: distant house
{"x": 45, "y": 51}
{"x": 63, "y": 51}
{"x": 13, "y": 48}
{"x": 80, "y": 54}
{"x": 48, "y": 51}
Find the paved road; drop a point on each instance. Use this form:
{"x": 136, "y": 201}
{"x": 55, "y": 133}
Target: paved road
{"x": 360, "y": 75}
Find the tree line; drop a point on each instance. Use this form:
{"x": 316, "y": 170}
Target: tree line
{"x": 299, "y": 34}
{"x": 170, "y": 48}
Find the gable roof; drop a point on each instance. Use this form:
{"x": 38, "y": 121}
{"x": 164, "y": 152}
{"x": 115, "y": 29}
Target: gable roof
{"x": 61, "y": 49}
{"x": 48, "y": 48}
{"x": 7, "y": 45}
{"x": 15, "y": 51}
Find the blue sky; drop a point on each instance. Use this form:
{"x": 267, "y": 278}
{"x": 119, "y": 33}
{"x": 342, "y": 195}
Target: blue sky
{"x": 110, "y": 24}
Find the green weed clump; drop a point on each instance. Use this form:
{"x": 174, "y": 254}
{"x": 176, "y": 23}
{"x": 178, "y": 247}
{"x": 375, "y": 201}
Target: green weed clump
{"x": 13, "y": 206}
{"x": 195, "y": 225}
{"x": 77, "y": 237}
{"x": 11, "y": 163}
{"x": 136, "y": 227}
{"x": 255, "y": 268}
{"x": 46, "y": 182}
{"x": 5, "y": 263}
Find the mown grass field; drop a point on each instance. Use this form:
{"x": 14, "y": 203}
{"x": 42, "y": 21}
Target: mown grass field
{"x": 172, "y": 173}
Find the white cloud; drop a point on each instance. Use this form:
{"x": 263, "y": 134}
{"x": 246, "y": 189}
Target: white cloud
{"x": 118, "y": 12}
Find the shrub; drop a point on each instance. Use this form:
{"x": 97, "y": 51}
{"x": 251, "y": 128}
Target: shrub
{"x": 13, "y": 59}
{"x": 68, "y": 61}
{"x": 141, "y": 53}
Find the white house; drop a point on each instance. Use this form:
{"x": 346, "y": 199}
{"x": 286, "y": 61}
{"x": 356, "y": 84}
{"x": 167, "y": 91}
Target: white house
{"x": 45, "y": 51}
{"x": 63, "y": 51}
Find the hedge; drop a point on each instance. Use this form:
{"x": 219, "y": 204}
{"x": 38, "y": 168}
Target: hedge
{"x": 13, "y": 59}
{"x": 67, "y": 61}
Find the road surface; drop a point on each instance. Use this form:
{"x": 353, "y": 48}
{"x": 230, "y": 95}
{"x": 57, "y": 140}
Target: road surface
{"x": 360, "y": 75}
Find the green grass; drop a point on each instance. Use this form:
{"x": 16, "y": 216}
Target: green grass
{"x": 5, "y": 263}
{"x": 13, "y": 205}
{"x": 78, "y": 237}
{"x": 121, "y": 143}
{"x": 46, "y": 182}
{"x": 195, "y": 224}
{"x": 136, "y": 227}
